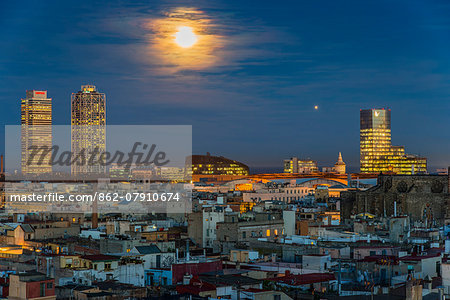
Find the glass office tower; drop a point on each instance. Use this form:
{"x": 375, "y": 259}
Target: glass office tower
{"x": 88, "y": 130}
{"x": 376, "y": 151}
{"x": 36, "y": 132}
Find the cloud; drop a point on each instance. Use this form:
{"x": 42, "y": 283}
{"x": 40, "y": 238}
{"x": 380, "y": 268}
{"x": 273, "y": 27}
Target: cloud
{"x": 225, "y": 64}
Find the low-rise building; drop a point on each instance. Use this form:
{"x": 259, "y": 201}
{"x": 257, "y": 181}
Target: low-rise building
{"x": 158, "y": 277}
{"x": 262, "y": 294}
{"x": 364, "y": 251}
{"x": 318, "y": 262}
{"x": 246, "y": 231}
{"x": 422, "y": 265}
{"x": 446, "y": 278}
{"x": 202, "y": 226}
{"x": 321, "y": 282}
{"x": 31, "y": 285}
{"x": 153, "y": 257}
{"x": 243, "y": 255}
{"x": 100, "y": 262}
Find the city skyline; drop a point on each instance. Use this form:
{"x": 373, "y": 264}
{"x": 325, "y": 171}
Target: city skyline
{"x": 253, "y": 91}
{"x": 225, "y": 149}
{"x": 84, "y": 112}
{"x": 88, "y": 107}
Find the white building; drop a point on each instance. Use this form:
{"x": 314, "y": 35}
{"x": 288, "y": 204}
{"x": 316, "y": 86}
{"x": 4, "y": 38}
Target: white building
{"x": 132, "y": 273}
{"x": 289, "y": 222}
{"x": 91, "y": 233}
{"x": 153, "y": 257}
{"x": 210, "y": 220}
{"x": 288, "y": 193}
{"x": 319, "y": 262}
{"x": 445, "y": 267}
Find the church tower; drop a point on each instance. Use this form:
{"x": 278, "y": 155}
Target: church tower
{"x": 339, "y": 167}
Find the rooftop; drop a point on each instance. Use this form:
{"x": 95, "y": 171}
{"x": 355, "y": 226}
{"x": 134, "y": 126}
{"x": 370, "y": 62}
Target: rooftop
{"x": 100, "y": 257}
{"x": 296, "y": 280}
{"x": 151, "y": 249}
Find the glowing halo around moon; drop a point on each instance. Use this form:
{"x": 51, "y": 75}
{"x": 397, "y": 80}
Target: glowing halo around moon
{"x": 185, "y": 37}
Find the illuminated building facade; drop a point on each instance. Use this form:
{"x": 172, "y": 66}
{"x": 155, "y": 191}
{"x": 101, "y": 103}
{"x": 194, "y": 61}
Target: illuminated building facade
{"x": 376, "y": 151}
{"x": 121, "y": 172}
{"x": 88, "y": 120}
{"x": 36, "y": 132}
{"x": 295, "y": 165}
{"x": 171, "y": 173}
{"x": 339, "y": 166}
{"x": 142, "y": 173}
{"x": 214, "y": 165}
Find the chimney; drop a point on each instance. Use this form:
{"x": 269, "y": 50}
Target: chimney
{"x": 94, "y": 224}
{"x": 187, "y": 250}
{"x": 95, "y": 219}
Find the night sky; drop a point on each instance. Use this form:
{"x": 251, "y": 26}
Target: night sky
{"x": 250, "y": 85}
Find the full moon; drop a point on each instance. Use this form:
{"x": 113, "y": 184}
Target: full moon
{"x": 185, "y": 37}
{"x": 316, "y": 107}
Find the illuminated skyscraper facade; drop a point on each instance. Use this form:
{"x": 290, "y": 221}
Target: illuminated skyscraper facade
{"x": 88, "y": 130}
{"x": 36, "y": 132}
{"x": 376, "y": 151}
{"x": 295, "y": 165}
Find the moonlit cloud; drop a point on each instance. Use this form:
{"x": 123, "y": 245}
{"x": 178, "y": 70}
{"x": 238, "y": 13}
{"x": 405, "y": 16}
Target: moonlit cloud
{"x": 166, "y": 56}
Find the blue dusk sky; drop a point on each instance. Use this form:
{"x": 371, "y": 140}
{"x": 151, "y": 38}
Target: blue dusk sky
{"x": 249, "y": 84}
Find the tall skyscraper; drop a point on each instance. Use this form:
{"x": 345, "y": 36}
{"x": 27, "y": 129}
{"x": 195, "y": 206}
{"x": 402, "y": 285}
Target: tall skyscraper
{"x": 88, "y": 130}
{"x": 377, "y": 153}
{"x": 36, "y": 132}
